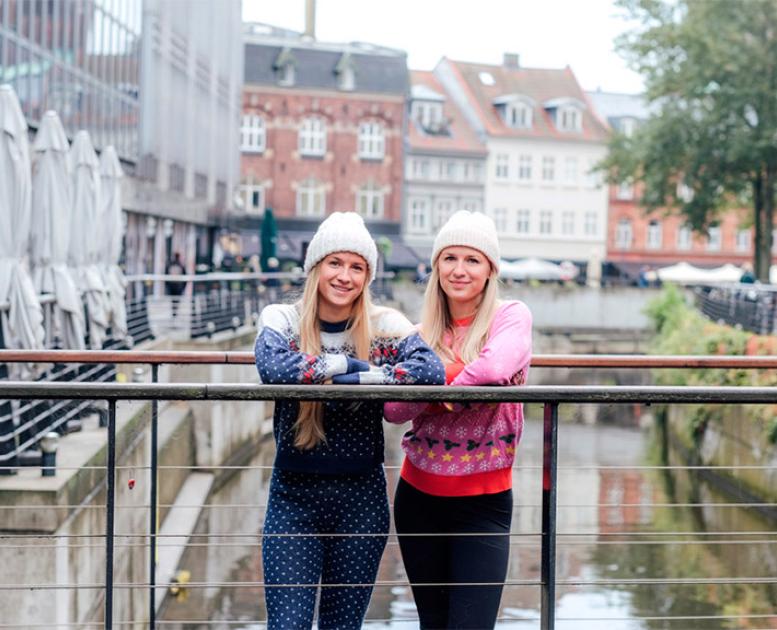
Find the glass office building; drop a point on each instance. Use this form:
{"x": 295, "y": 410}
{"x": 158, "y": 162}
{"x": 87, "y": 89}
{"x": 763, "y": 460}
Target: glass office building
{"x": 161, "y": 81}
{"x": 80, "y": 58}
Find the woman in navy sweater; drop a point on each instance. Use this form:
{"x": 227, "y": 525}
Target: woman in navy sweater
{"x": 327, "y": 514}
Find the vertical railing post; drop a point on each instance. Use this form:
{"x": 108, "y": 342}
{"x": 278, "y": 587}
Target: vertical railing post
{"x": 548, "y": 550}
{"x": 152, "y": 521}
{"x": 110, "y": 506}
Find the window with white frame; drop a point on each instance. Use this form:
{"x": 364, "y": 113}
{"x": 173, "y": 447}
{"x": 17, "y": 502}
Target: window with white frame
{"x": 420, "y": 169}
{"x": 548, "y": 168}
{"x": 590, "y": 223}
{"x": 684, "y": 237}
{"x": 443, "y": 209}
{"x": 567, "y": 222}
{"x": 625, "y": 191}
{"x": 524, "y": 167}
{"x": 287, "y": 75}
{"x": 372, "y": 141}
{"x": 471, "y": 205}
{"x": 311, "y": 199}
{"x": 253, "y": 198}
{"x": 714, "y": 238}
{"x": 546, "y": 222}
{"x": 569, "y": 119}
{"x": 523, "y": 221}
{"x": 425, "y": 113}
{"x": 774, "y": 241}
{"x": 502, "y": 169}
{"x": 450, "y": 170}
{"x": 253, "y": 134}
{"x": 518, "y": 115}
{"x": 628, "y": 126}
{"x": 347, "y": 79}
{"x": 653, "y": 240}
{"x": 593, "y": 178}
{"x": 744, "y": 240}
{"x": 369, "y": 201}
{"x": 312, "y": 137}
{"x": 500, "y": 219}
{"x": 623, "y": 234}
{"x": 419, "y": 215}
{"x": 570, "y": 171}
{"x": 477, "y": 172}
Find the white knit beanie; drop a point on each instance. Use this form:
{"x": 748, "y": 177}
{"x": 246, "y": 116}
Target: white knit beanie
{"x": 469, "y": 229}
{"x": 342, "y": 232}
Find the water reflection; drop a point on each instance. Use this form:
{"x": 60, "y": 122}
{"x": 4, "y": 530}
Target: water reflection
{"x": 612, "y": 523}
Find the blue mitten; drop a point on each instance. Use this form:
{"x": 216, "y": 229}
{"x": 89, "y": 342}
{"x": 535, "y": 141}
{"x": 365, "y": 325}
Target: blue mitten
{"x": 357, "y": 365}
{"x": 346, "y": 379}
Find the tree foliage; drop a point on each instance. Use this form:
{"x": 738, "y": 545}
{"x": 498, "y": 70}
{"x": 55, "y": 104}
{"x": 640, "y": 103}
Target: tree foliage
{"x": 710, "y": 143}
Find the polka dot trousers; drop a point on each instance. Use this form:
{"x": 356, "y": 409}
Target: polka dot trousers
{"x": 305, "y": 503}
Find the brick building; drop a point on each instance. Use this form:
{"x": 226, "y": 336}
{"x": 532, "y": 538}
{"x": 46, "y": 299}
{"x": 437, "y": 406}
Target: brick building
{"x": 322, "y": 131}
{"x": 637, "y": 239}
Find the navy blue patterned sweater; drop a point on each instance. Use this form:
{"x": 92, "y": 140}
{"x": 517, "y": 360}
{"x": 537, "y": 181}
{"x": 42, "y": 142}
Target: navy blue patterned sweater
{"x": 353, "y": 429}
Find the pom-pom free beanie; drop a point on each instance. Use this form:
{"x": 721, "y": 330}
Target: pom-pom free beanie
{"x": 342, "y": 232}
{"x": 469, "y": 229}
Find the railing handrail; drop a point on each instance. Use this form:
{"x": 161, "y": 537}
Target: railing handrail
{"x": 386, "y": 393}
{"x": 160, "y": 357}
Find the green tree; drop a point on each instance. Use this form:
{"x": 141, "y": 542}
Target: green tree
{"x": 710, "y": 143}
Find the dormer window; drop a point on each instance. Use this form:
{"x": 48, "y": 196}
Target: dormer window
{"x": 426, "y": 109}
{"x": 515, "y": 110}
{"x": 567, "y": 113}
{"x": 346, "y": 74}
{"x": 569, "y": 119}
{"x": 284, "y": 67}
{"x": 627, "y": 126}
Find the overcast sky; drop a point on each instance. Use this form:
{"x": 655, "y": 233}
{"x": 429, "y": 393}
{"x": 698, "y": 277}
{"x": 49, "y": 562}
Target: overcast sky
{"x": 545, "y": 33}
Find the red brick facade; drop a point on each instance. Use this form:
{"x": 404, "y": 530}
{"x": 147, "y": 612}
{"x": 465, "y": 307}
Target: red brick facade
{"x": 281, "y": 167}
{"x": 669, "y": 251}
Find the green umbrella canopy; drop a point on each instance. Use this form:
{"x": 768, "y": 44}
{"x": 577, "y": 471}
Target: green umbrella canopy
{"x": 269, "y": 238}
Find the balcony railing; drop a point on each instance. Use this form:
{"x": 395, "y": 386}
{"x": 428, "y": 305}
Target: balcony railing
{"x": 549, "y": 396}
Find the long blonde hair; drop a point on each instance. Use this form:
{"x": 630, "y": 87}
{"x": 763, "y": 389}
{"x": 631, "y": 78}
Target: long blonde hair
{"x": 436, "y": 320}
{"x": 309, "y": 427}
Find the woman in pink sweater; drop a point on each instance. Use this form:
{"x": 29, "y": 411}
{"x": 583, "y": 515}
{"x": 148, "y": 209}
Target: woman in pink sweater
{"x": 456, "y": 479}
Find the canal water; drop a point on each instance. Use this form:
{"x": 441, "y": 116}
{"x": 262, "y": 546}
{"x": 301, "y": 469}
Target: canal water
{"x": 614, "y": 528}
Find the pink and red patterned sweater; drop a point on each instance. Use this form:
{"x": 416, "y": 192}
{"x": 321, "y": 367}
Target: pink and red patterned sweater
{"x": 471, "y": 449}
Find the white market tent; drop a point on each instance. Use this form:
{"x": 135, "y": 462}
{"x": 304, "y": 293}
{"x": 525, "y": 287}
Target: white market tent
{"x": 531, "y": 269}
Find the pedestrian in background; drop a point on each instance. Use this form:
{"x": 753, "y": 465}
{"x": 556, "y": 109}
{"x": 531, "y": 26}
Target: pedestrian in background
{"x": 175, "y": 288}
{"x": 327, "y": 515}
{"x": 456, "y": 478}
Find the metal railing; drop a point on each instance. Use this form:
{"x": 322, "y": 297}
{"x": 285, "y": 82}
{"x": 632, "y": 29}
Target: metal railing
{"x": 748, "y": 306}
{"x": 549, "y": 396}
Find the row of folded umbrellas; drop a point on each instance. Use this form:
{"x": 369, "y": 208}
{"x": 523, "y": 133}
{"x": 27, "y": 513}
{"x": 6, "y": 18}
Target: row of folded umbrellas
{"x": 60, "y": 232}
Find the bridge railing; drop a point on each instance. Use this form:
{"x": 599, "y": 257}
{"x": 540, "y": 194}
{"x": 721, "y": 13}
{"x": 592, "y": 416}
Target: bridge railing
{"x": 549, "y": 396}
{"x": 752, "y": 307}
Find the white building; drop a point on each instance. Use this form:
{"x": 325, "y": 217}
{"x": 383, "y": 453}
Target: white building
{"x": 445, "y": 165}
{"x": 543, "y": 139}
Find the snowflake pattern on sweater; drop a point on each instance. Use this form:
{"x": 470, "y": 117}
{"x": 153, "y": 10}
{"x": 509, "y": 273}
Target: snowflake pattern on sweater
{"x": 478, "y": 437}
{"x": 353, "y": 429}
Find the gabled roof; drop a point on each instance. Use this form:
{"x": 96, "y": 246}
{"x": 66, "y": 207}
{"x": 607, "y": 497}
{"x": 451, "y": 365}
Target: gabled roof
{"x": 462, "y": 138}
{"x": 541, "y": 85}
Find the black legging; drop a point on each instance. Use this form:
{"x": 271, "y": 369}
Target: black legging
{"x": 454, "y": 559}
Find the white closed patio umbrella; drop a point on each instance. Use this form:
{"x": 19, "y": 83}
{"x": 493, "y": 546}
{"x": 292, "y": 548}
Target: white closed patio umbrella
{"x": 86, "y": 235}
{"x": 116, "y": 283}
{"x": 23, "y": 325}
{"x": 51, "y": 224}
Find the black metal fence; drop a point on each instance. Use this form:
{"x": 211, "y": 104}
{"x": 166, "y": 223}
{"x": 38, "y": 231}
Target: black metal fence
{"x": 549, "y": 396}
{"x": 747, "y": 306}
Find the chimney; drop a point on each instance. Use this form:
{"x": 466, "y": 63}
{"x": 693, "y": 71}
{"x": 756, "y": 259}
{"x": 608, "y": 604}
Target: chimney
{"x": 511, "y": 60}
{"x": 310, "y": 19}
